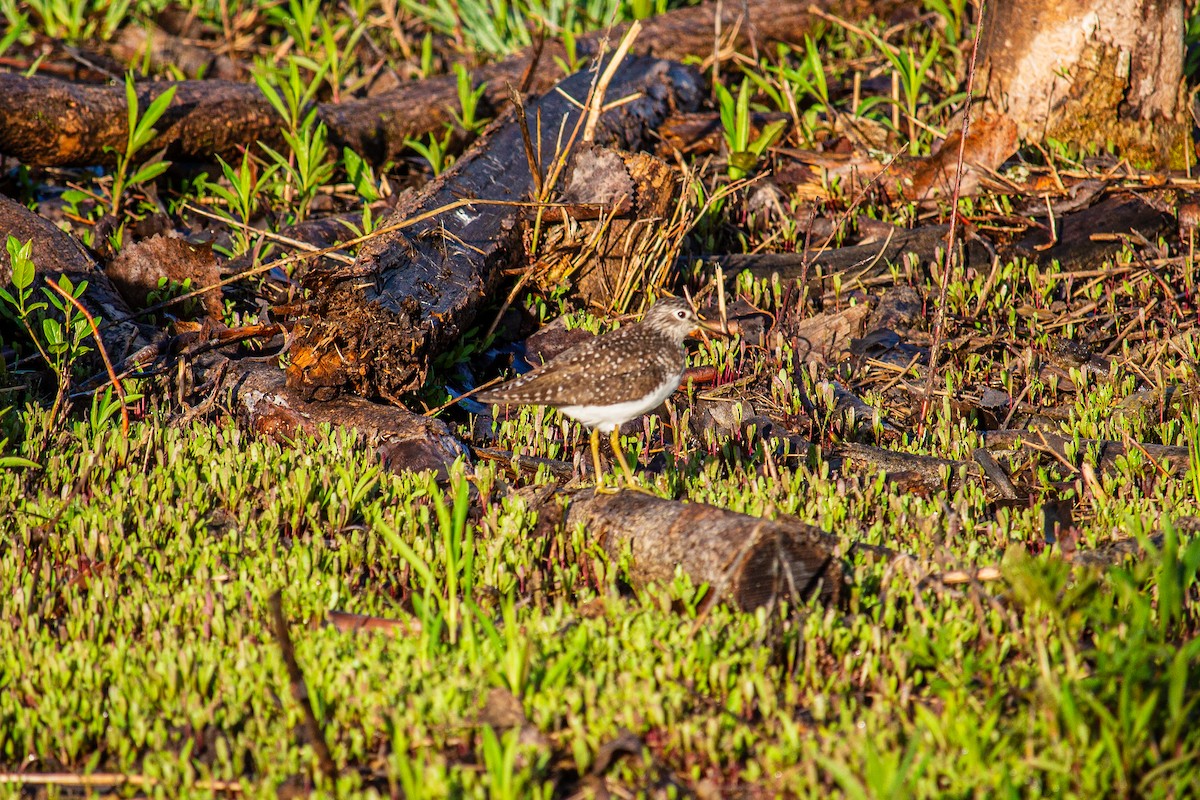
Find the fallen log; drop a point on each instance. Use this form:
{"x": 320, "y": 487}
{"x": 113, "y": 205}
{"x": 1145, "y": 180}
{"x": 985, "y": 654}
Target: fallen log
{"x": 55, "y": 253}
{"x": 404, "y": 440}
{"x": 1085, "y": 240}
{"x": 746, "y": 561}
{"x": 856, "y": 264}
{"x": 50, "y": 122}
{"x": 1162, "y": 457}
{"x": 413, "y": 292}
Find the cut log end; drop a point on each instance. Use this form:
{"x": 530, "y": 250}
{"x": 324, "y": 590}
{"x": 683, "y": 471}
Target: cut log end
{"x": 745, "y": 561}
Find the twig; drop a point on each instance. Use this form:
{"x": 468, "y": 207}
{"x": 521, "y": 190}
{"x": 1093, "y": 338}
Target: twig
{"x": 433, "y": 412}
{"x": 300, "y": 689}
{"x": 105, "y": 780}
{"x": 112, "y": 375}
{"x": 535, "y": 167}
{"x": 940, "y": 319}
{"x": 596, "y": 104}
{"x": 275, "y": 237}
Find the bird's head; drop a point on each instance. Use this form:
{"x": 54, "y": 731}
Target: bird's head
{"x": 676, "y": 317}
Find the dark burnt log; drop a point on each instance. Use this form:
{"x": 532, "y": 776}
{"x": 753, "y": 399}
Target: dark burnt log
{"x": 1087, "y": 238}
{"x": 49, "y": 122}
{"x": 413, "y": 292}
{"x": 746, "y": 561}
{"x": 56, "y": 253}
{"x": 404, "y": 440}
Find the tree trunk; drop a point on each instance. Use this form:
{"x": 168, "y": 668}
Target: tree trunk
{"x": 1090, "y": 72}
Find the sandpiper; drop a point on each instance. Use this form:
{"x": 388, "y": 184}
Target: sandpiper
{"x": 611, "y": 379}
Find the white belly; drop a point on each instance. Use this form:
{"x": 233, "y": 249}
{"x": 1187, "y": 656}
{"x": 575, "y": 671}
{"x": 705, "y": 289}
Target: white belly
{"x": 605, "y": 418}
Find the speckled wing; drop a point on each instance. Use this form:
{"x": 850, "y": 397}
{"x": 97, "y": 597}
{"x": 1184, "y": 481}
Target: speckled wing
{"x": 622, "y": 366}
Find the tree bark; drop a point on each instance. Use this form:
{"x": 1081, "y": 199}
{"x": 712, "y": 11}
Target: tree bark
{"x": 1090, "y": 72}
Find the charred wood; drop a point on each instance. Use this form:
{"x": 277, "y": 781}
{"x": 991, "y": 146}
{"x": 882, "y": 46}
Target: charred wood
{"x": 413, "y": 292}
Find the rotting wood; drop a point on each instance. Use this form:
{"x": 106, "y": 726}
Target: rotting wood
{"x": 412, "y": 293}
{"x": 55, "y": 253}
{"x": 746, "y": 561}
{"x": 404, "y": 440}
{"x": 1087, "y": 238}
{"x": 49, "y": 122}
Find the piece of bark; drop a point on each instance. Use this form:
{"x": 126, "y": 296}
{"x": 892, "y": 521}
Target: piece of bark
{"x": 746, "y": 561}
{"x": 995, "y": 473}
{"x": 701, "y": 133}
{"x": 825, "y": 338}
{"x": 616, "y": 254}
{"x": 362, "y": 623}
{"x": 411, "y": 293}
{"x": 139, "y": 267}
{"x": 405, "y": 441}
{"x": 53, "y": 123}
{"x": 148, "y": 43}
{"x": 56, "y": 253}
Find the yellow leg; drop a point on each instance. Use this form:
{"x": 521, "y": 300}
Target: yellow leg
{"x": 600, "y": 489}
{"x": 614, "y": 439}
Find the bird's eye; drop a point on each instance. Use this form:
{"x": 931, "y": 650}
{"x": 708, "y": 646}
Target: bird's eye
{"x": 681, "y": 314}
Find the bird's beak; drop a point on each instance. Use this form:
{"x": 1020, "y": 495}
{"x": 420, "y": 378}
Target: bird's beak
{"x": 712, "y": 326}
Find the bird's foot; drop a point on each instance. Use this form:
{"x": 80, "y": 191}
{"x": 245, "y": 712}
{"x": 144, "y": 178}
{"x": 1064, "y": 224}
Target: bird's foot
{"x": 630, "y": 486}
{"x": 626, "y": 485}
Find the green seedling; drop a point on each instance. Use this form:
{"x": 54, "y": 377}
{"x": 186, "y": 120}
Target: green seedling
{"x": 141, "y": 132}
{"x": 744, "y": 153}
